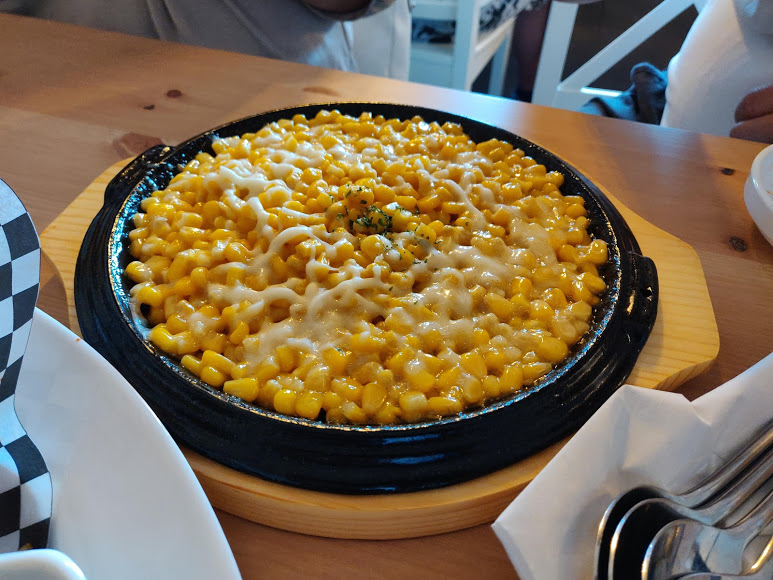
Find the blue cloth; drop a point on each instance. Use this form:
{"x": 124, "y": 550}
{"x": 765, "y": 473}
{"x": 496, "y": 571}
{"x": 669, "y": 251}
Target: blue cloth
{"x": 643, "y": 102}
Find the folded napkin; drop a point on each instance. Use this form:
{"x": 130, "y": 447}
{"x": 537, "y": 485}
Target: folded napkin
{"x": 639, "y": 436}
{"x": 25, "y": 483}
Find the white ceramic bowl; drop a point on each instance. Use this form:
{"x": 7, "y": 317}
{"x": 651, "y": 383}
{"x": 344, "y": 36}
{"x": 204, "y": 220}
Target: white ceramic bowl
{"x": 39, "y": 565}
{"x": 758, "y": 192}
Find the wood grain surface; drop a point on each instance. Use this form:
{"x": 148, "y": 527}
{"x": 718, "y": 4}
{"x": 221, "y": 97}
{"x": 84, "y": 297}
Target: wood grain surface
{"x": 74, "y": 101}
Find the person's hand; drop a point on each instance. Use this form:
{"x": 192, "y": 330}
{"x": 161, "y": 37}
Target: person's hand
{"x": 754, "y": 116}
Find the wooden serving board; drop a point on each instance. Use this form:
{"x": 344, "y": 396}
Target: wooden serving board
{"x": 682, "y": 345}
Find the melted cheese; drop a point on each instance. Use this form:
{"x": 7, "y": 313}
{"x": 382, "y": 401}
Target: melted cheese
{"x": 451, "y": 278}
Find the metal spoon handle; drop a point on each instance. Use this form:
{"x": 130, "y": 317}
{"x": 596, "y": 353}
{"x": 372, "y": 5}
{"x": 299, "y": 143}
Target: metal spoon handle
{"x": 745, "y": 463}
{"x": 734, "y": 496}
{"x": 760, "y": 571}
{"x": 741, "y": 461}
{"x": 755, "y": 521}
{"x": 643, "y": 522}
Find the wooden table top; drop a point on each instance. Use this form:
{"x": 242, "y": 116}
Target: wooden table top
{"x": 74, "y": 101}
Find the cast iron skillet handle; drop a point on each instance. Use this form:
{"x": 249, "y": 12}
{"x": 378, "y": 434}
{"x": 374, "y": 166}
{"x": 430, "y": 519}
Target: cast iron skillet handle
{"x": 642, "y": 300}
{"x": 133, "y": 173}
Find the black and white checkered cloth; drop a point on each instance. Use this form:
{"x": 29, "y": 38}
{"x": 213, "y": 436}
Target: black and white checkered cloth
{"x": 25, "y": 484}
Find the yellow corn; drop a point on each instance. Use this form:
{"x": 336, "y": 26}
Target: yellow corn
{"x": 244, "y": 388}
{"x": 213, "y": 376}
{"x": 205, "y": 257}
{"x": 474, "y": 364}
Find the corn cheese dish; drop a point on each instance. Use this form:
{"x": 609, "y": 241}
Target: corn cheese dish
{"x": 365, "y": 270}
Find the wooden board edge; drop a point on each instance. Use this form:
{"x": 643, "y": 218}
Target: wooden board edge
{"x": 382, "y": 517}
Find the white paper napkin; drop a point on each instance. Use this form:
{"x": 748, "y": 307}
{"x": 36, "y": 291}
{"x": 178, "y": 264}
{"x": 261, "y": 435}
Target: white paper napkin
{"x": 639, "y": 436}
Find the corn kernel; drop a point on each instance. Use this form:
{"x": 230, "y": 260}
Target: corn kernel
{"x": 372, "y": 246}
{"x": 512, "y": 378}
{"x": 366, "y": 342}
{"x": 214, "y": 341}
{"x": 139, "y": 272}
{"x": 413, "y": 402}
{"x": 594, "y": 283}
{"x": 245, "y": 388}
{"x": 472, "y": 390}
{"x": 163, "y": 339}
{"x": 495, "y": 361}
{"x": 552, "y": 349}
{"x": 373, "y": 396}
{"x": 474, "y": 364}
{"x": 150, "y": 295}
{"x": 217, "y": 361}
{"x": 353, "y": 412}
{"x": 444, "y": 405}
{"x": 336, "y": 359}
{"x": 480, "y": 337}
{"x": 308, "y": 404}
{"x": 213, "y": 376}
{"x": 267, "y": 370}
{"x": 533, "y": 371}
{"x": 422, "y": 380}
{"x": 191, "y": 363}
{"x": 499, "y": 305}
{"x": 285, "y": 357}
{"x": 448, "y": 378}
{"x": 239, "y": 333}
{"x": 284, "y": 401}
{"x": 186, "y": 343}
{"x": 491, "y": 386}
{"x": 425, "y": 232}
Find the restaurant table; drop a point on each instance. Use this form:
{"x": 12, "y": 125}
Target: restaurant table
{"x": 74, "y": 101}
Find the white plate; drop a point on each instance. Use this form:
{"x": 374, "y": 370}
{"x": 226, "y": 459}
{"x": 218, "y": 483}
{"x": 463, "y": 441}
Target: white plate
{"x": 126, "y": 503}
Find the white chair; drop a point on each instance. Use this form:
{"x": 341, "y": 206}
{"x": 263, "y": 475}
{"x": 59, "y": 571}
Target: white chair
{"x": 574, "y": 91}
{"x": 458, "y": 64}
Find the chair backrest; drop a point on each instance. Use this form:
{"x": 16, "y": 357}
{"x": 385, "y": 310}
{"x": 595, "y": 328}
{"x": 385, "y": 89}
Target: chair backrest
{"x": 459, "y": 63}
{"x": 574, "y": 91}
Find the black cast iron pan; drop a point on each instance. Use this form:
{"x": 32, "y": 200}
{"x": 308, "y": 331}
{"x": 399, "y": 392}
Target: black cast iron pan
{"x": 362, "y": 459}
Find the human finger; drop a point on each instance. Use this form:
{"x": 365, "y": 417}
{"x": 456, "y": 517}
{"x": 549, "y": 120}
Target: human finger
{"x": 756, "y": 103}
{"x": 756, "y": 129}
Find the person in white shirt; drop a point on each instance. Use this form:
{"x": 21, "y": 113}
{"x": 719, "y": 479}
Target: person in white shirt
{"x": 309, "y": 31}
{"x": 721, "y": 82}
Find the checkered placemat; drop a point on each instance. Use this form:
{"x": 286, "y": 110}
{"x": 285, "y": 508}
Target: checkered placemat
{"x": 25, "y": 484}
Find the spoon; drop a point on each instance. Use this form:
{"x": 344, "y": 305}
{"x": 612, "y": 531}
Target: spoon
{"x": 761, "y": 570}
{"x": 698, "y": 495}
{"x": 686, "y": 546}
{"x": 642, "y": 522}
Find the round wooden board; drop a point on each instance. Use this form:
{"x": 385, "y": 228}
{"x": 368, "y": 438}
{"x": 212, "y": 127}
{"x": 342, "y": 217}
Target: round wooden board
{"x": 683, "y": 344}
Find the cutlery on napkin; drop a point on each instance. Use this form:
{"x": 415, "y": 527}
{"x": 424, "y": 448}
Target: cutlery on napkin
{"x": 638, "y": 437}
{"x": 25, "y": 483}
